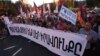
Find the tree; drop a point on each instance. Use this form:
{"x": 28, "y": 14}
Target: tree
{"x": 8, "y": 8}
{"x": 93, "y": 3}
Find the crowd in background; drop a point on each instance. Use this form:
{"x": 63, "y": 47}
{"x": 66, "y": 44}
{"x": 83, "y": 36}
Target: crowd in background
{"x": 53, "y": 21}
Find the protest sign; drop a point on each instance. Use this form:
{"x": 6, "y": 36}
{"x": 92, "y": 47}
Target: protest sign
{"x": 68, "y": 15}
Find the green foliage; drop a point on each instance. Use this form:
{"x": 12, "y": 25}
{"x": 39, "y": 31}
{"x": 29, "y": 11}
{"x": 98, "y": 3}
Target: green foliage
{"x": 8, "y": 8}
{"x": 93, "y": 3}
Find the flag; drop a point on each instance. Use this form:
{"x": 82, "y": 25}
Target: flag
{"x": 61, "y": 2}
{"x": 80, "y": 19}
{"x": 27, "y": 14}
{"x": 35, "y": 8}
{"x": 56, "y": 9}
{"x": 49, "y": 9}
{"x": 83, "y": 12}
{"x": 81, "y": 15}
{"x": 41, "y": 11}
{"x": 56, "y": 2}
{"x": 21, "y": 11}
{"x": 44, "y": 10}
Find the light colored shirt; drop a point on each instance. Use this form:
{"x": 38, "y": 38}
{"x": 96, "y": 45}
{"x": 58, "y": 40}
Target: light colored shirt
{"x": 6, "y": 20}
{"x": 90, "y": 34}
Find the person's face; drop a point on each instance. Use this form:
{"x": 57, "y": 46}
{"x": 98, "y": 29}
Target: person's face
{"x": 68, "y": 26}
{"x": 87, "y": 26}
{"x": 75, "y": 28}
{"x": 49, "y": 23}
{"x": 16, "y": 18}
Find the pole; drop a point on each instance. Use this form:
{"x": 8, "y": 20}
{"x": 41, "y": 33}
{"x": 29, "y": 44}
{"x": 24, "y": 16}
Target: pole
{"x": 43, "y": 7}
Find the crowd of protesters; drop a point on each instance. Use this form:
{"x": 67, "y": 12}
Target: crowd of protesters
{"x": 53, "y": 21}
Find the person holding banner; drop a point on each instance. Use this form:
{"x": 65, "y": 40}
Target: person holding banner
{"x": 91, "y": 37}
{"x": 1, "y": 26}
{"x": 68, "y": 27}
{"x": 75, "y": 29}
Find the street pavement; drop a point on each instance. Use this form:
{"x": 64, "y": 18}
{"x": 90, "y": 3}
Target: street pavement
{"x": 20, "y": 46}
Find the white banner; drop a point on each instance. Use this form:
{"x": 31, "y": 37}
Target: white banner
{"x": 59, "y": 42}
{"x": 68, "y": 15}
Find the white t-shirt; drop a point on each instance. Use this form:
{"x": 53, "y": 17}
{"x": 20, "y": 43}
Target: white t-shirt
{"x": 6, "y": 19}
